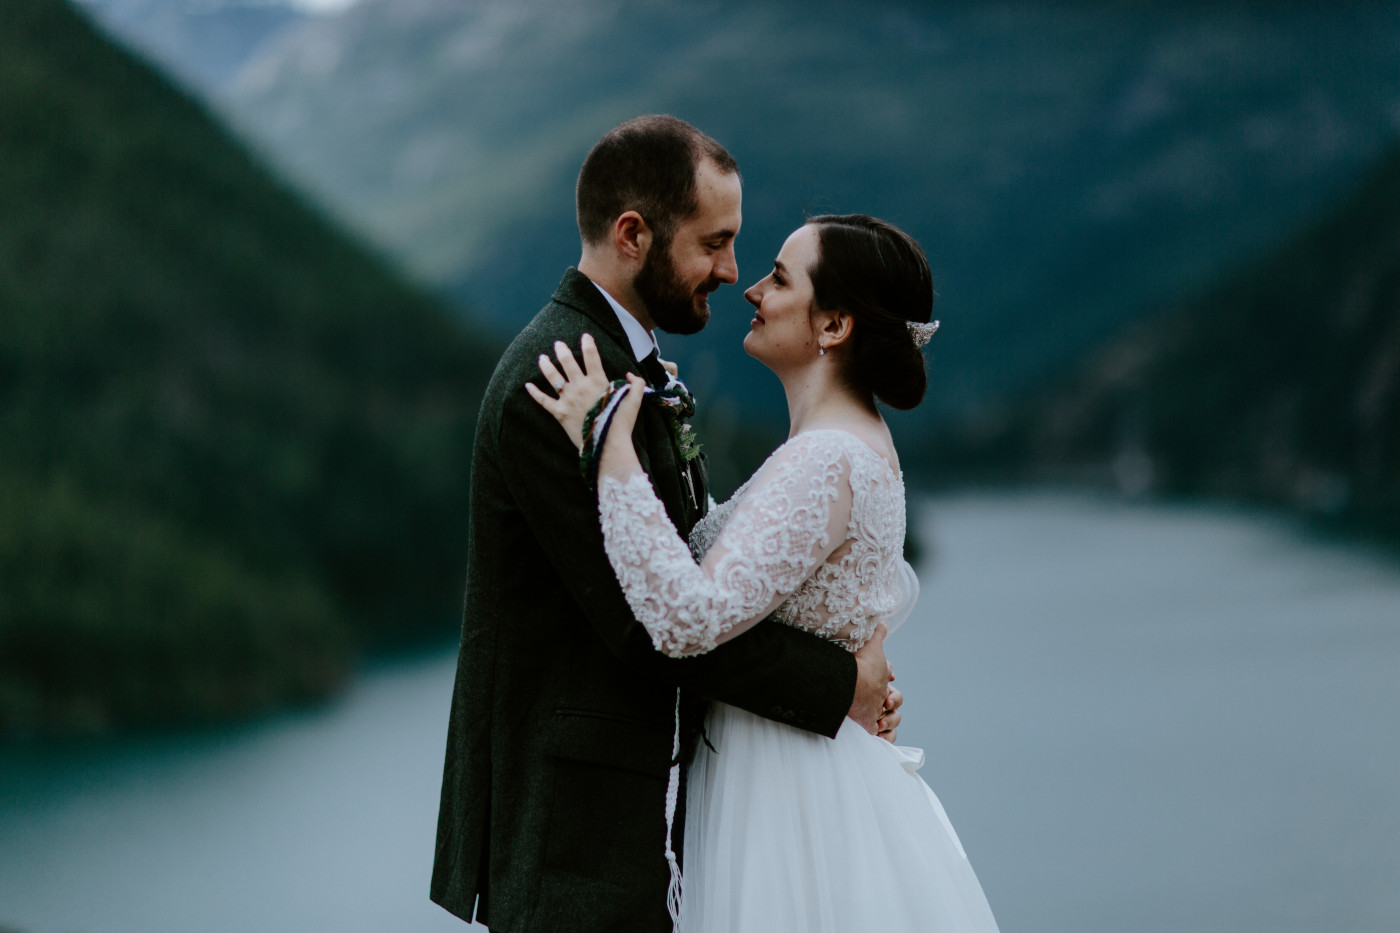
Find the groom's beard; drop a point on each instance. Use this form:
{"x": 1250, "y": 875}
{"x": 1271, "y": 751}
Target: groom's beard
{"x": 673, "y": 306}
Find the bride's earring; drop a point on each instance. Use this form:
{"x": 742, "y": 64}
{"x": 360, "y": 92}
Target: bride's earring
{"x": 821, "y": 351}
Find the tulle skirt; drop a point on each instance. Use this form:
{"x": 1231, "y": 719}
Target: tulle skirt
{"x": 790, "y": 831}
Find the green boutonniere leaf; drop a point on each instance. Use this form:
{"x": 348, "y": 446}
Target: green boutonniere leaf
{"x": 686, "y": 441}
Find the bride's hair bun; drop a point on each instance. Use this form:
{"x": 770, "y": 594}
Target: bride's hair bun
{"x": 879, "y": 275}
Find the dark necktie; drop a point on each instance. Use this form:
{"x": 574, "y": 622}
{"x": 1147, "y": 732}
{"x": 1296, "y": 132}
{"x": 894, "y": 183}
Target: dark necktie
{"x": 654, "y": 372}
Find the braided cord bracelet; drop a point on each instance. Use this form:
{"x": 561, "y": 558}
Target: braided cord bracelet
{"x": 595, "y": 430}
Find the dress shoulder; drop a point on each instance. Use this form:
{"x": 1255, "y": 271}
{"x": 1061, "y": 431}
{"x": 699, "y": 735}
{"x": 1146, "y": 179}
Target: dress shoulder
{"x": 830, "y": 445}
{"x": 837, "y": 452}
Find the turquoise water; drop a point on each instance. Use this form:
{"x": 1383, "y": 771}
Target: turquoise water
{"x": 1139, "y": 718}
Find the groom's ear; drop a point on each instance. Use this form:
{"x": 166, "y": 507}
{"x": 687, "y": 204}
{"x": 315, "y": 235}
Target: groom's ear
{"x": 631, "y": 236}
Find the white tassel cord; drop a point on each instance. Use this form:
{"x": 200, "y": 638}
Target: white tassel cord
{"x": 673, "y": 791}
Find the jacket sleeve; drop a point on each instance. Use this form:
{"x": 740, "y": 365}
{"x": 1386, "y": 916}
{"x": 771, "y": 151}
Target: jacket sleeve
{"x": 774, "y": 671}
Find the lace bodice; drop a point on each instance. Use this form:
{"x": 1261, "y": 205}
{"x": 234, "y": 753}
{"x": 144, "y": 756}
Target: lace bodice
{"x": 814, "y": 538}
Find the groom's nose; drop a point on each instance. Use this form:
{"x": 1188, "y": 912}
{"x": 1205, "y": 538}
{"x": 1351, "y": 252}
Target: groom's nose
{"x": 726, "y": 266}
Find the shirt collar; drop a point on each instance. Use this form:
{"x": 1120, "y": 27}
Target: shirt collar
{"x": 643, "y": 341}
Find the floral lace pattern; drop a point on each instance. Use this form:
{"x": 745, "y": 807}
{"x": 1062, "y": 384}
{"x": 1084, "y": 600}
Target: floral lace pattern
{"x": 814, "y": 538}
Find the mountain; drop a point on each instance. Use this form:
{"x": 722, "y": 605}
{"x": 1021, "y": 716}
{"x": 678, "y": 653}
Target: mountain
{"x": 233, "y": 442}
{"x": 1280, "y": 384}
{"x": 1065, "y": 165}
{"x": 204, "y": 43}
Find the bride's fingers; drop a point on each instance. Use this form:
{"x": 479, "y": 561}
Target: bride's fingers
{"x": 551, "y": 373}
{"x": 671, "y": 368}
{"x": 625, "y": 418}
{"x": 567, "y": 361}
{"x": 547, "y": 402}
{"x": 592, "y": 362}
{"x": 569, "y": 418}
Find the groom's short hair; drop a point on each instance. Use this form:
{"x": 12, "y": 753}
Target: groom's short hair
{"x": 645, "y": 165}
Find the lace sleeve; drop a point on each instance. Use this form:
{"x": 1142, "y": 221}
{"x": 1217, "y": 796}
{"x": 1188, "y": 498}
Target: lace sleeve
{"x": 794, "y": 513}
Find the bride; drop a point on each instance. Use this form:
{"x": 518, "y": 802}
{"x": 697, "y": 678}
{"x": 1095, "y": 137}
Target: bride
{"x": 786, "y": 830}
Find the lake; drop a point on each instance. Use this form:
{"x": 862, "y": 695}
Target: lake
{"x": 1140, "y": 718}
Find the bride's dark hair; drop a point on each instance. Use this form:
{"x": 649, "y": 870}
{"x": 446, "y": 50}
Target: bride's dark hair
{"x": 878, "y": 274}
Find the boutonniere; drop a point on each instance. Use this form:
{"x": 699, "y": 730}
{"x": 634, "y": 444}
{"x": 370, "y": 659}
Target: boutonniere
{"x": 677, "y": 402}
{"x": 686, "y": 440}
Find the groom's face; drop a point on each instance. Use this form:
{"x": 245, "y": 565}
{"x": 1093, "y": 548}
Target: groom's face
{"x": 677, "y": 277}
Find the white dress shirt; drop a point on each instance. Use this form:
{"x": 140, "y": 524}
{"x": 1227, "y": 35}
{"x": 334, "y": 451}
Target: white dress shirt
{"x": 643, "y": 341}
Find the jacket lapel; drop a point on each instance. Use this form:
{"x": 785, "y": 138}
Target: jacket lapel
{"x": 577, "y": 291}
{"x": 661, "y": 458}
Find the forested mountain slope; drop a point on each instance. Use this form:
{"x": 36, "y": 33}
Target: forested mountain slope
{"x": 233, "y": 442}
{"x": 1281, "y": 384}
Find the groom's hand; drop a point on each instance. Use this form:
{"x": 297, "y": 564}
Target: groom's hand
{"x": 889, "y": 722}
{"x": 873, "y": 676}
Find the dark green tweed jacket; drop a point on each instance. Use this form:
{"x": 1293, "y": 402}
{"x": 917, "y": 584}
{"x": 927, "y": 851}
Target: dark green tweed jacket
{"x": 552, "y": 810}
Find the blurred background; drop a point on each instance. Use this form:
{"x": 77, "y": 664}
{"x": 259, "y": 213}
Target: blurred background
{"x": 257, "y": 260}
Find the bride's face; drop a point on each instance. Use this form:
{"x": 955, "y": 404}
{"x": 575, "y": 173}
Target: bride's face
{"x": 781, "y": 331}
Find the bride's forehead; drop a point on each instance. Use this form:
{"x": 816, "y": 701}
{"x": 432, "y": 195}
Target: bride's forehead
{"x": 800, "y": 248}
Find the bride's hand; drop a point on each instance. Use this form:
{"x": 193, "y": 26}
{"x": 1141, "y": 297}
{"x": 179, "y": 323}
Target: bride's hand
{"x": 578, "y": 388}
{"x": 619, "y": 457}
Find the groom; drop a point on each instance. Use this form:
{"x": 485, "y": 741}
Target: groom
{"x": 552, "y": 815}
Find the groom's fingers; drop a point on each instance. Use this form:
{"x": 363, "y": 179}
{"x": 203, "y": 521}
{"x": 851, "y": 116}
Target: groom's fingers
{"x": 872, "y": 682}
{"x": 890, "y": 716}
{"x": 567, "y": 361}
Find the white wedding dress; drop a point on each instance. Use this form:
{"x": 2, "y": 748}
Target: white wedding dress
{"x": 786, "y": 830}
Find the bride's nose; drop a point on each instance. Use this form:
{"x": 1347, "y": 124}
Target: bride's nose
{"x": 752, "y": 295}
